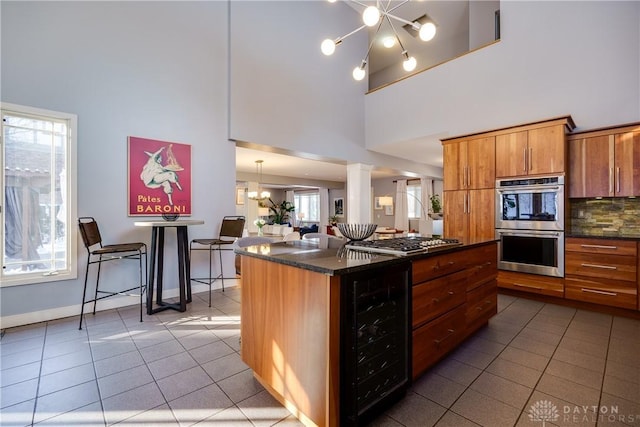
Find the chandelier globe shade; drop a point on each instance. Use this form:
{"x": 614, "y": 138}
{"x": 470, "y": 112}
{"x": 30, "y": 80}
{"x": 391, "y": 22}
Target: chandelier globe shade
{"x": 378, "y": 15}
{"x": 260, "y": 194}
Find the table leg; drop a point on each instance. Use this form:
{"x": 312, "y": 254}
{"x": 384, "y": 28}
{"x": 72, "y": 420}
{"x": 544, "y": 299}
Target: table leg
{"x": 160, "y": 265}
{"x": 152, "y": 270}
{"x": 181, "y": 235}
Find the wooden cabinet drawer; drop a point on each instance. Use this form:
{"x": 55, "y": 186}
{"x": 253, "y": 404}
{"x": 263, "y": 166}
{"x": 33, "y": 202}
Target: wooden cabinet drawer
{"x": 602, "y": 291}
{"x": 435, "y": 297}
{"x": 436, "y": 338}
{"x": 482, "y": 303}
{"x": 439, "y": 265}
{"x": 601, "y": 246}
{"x": 545, "y": 285}
{"x": 602, "y": 266}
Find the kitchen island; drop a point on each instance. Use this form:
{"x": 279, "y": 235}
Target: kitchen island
{"x": 337, "y": 335}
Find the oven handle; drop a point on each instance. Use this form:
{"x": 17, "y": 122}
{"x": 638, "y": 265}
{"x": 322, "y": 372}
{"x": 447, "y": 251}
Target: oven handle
{"x": 519, "y": 190}
{"x": 524, "y": 233}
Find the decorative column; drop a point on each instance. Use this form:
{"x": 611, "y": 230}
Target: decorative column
{"x": 358, "y": 206}
{"x": 251, "y": 208}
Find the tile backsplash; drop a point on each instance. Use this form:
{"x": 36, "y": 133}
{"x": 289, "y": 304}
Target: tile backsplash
{"x": 612, "y": 217}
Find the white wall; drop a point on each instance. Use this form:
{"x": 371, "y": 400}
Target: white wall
{"x": 155, "y": 70}
{"x": 285, "y": 93}
{"x": 554, "y": 58}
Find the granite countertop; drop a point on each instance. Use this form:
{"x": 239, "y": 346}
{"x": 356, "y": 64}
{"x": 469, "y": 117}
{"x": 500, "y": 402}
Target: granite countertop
{"x": 329, "y": 256}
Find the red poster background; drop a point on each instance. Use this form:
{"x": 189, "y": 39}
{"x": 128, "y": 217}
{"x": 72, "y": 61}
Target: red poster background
{"x": 159, "y": 177}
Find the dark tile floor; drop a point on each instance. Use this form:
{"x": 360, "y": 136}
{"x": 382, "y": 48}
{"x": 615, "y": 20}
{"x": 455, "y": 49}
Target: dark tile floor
{"x": 535, "y": 364}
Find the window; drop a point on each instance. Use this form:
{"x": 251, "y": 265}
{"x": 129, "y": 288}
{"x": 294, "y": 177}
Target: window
{"x": 414, "y": 201}
{"x": 38, "y": 208}
{"x": 307, "y": 204}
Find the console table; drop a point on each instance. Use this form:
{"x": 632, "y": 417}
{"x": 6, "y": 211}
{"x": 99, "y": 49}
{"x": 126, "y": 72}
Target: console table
{"x": 157, "y": 261}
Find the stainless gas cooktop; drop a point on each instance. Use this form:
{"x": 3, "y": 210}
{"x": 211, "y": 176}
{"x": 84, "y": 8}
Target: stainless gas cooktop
{"x": 403, "y": 246}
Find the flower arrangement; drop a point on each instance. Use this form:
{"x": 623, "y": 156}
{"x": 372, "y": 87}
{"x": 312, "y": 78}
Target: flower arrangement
{"x": 259, "y": 222}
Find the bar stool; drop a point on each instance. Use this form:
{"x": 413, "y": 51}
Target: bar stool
{"x": 230, "y": 230}
{"x": 98, "y": 253}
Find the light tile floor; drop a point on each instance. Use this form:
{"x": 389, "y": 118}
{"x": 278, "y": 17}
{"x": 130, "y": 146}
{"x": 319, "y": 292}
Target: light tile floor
{"x": 535, "y": 364}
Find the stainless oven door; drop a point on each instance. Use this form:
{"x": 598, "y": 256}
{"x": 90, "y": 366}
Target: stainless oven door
{"x": 530, "y": 207}
{"x": 531, "y": 251}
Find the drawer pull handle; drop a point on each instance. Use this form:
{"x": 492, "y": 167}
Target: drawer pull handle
{"x": 481, "y": 307}
{"x": 451, "y": 292}
{"x": 451, "y": 331}
{"x": 606, "y": 267}
{"x": 595, "y": 291}
{"x": 436, "y": 300}
{"x": 600, "y": 246}
{"x": 527, "y": 286}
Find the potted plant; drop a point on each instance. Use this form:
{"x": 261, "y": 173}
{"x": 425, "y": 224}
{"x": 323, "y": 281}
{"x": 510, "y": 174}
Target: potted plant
{"x": 280, "y": 212}
{"x": 436, "y": 206}
{"x": 333, "y": 219}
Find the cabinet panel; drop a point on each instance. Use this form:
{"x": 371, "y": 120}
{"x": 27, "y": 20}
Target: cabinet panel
{"x": 455, "y": 162}
{"x": 436, "y": 338}
{"x": 603, "y": 266}
{"x": 455, "y": 214}
{"x": 547, "y": 150}
{"x": 544, "y": 285}
{"x": 481, "y": 163}
{"x": 436, "y": 266}
{"x": 482, "y": 303}
{"x": 481, "y": 215}
{"x": 436, "y": 297}
{"x": 511, "y": 154}
{"x": 627, "y": 164}
{"x": 602, "y": 291}
{"x": 590, "y": 172}
{"x": 601, "y": 246}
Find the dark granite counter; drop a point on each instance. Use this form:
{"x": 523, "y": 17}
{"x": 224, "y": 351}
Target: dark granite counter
{"x": 329, "y": 256}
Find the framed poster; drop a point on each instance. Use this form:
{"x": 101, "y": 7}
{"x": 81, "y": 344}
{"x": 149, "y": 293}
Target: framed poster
{"x": 388, "y": 210}
{"x": 239, "y": 196}
{"x": 159, "y": 177}
{"x": 376, "y": 204}
{"x": 338, "y": 206}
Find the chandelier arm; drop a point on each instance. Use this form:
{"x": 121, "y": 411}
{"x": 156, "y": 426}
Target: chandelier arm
{"x": 359, "y": 3}
{"x": 404, "y": 51}
{"x": 389, "y": 15}
{"x": 373, "y": 40}
{"x": 388, "y": 11}
{"x": 339, "y": 39}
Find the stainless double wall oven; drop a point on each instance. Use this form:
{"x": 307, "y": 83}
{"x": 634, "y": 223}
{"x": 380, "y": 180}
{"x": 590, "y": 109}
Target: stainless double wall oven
{"x": 530, "y": 225}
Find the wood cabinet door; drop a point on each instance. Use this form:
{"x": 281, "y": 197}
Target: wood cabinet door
{"x": 627, "y": 164}
{"x": 481, "y": 167}
{"x": 590, "y": 173}
{"x": 511, "y": 154}
{"x": 546, "y": 153}
{"x": 481, "y": 215}
{"x": 455, "y": 214}
{"x": 454, "y": 163}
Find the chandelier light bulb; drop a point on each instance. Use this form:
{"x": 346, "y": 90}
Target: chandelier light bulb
{"x": 328, "y": 46}
{"x": 358, "y": 73}
{"x": 409, "y": 64}
{"x": 332, "y": 1}
{"x": 389, "y": 42}
{"x": 371, "y": 16}
{"x": 427, "y": 31}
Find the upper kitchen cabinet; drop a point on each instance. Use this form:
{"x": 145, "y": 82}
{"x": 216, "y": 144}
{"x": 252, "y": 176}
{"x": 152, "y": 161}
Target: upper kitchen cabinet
{"x": 534, "y": 149}
{"x": 605, "y": 162}
{"x": 469, "y": 163}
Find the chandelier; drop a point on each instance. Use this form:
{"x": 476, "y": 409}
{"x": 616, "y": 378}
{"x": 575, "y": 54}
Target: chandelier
{"x": 260, "y": 194}
{"x": 377, "y": 15}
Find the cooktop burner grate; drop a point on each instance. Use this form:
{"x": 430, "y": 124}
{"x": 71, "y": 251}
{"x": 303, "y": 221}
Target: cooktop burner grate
{"x": 403, "y": 245}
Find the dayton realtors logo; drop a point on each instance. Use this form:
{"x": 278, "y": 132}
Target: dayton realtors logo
{"x": 545, "y": 410}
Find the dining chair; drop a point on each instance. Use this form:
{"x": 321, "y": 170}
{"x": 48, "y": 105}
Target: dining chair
{"x": 231, "y": 229}
{"x": 97, "y": 253}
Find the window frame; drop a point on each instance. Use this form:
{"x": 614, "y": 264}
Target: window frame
{"x": 414, "y": 199}
{"x": 71, "y": 272}
{"x": 298, "y": 206}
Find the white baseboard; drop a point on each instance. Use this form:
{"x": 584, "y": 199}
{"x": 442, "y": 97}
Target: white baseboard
{"x": 106, "y": 304}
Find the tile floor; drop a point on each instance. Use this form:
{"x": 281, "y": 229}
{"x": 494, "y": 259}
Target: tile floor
{"x": 535, "y": 364}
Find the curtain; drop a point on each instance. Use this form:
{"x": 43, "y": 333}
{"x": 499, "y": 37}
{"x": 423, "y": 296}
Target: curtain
{"x": 289, "y": 196}
{"x": 401, "y": 207}
{"x": 426, "y": 224}
{"x": 17, "y": 232}
{"x": 325, "y": 208}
